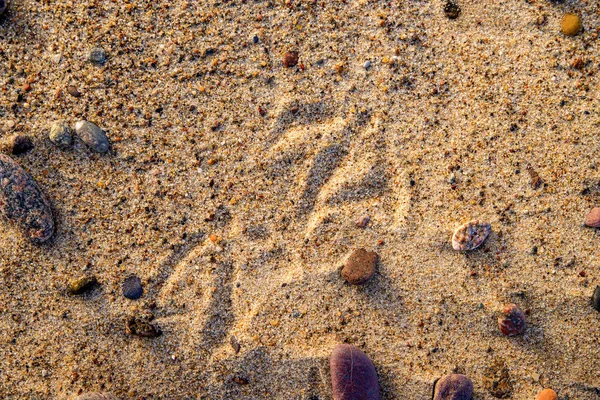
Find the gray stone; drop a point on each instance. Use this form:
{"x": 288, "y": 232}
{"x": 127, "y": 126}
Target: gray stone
{"x": 93, "y": 136}
{"x": 61, "y": 135}
{"x": 97, "y": 55}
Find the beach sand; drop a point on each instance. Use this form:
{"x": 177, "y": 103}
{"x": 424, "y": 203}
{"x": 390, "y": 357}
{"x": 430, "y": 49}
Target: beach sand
{"x": 233, "y": 187}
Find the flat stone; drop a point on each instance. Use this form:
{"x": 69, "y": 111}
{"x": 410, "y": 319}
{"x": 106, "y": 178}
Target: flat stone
{"x": 360, "y": 266}
{"x": 453, "y": 387}
{"x": 61, "y": 135}
{"x": 97, "y": 55}
{"x": 132, "y": 288}
{"x": 23, "y": 203}
{"x": 353, "y": 375}
{"x": 93, "y": 136}
{"x": 96, "y": 396}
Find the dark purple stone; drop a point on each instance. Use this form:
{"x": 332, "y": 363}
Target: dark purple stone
{"x": 23, "y": 203}
{"x": 453, "y": 387}
{"x": 353, "y": 375}
{"x": 132, "y": 288}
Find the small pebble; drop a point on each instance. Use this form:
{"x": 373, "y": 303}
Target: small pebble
{"x": 451, "y": 9}
{"x": 92, "y": 135}
{"x": 81, "y": 285}
{"x": 353, "y": 375}
{"x": 132, "y": 288}
{"x": 471, "y": 235}
{"x": 61, "y": 135}
{"x": 23, "y": 203}
{"x": 593, "y": 218}
{"x": 547, "y": 394}
{"x": 255, "y": 39}
{"x": 453, "y": 387}
{"x": 73, "y": 91}
{"x": 367, "y": 64}
{"x": 20, "y": 144}
{"x": 570, "y": 24}
{"x": 512, "y": 322}
{"x": 360, "y": 266}
{"x": 596, "y": 298}
{"x": 141, "y": 327}
{"x": 363, "y": 222}
{"x": 96, "y": 396}
{"x": 290, "y": 59}
{"x": 3, "y": 6}
{"x": 97, "y": 55}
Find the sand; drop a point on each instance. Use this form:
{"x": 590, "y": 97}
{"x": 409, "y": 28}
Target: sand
{"x": 442, "y": 128}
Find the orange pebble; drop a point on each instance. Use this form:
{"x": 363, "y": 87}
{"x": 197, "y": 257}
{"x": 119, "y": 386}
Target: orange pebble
{"x": 214, "y": 238}
{"x": 547, "y": 394}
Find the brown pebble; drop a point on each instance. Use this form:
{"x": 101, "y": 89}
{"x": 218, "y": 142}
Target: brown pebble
{"x": 360, "y": 266}
{"x": 363, "y": 222}
{"x": 593, "y": 218}
{"x": 23, "y": 203}
{"x": 73, "y": 91}
{"x": 547, "y": 394}
{"x": 512, "y": 322}
{"x": 290, "y": 59}
{"x": 81, "y": 285}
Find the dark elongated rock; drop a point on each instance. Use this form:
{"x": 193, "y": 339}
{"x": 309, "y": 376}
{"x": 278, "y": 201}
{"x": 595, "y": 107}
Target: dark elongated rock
{"x": 353, "y": 375}
{"x": 23, "y": 203}
{"x": 453, "y": 387}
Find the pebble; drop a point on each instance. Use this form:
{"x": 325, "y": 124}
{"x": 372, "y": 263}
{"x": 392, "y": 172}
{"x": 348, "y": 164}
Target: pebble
{"x": 570, "y": 24}
{"x": 96, "y": 396}
{"x": 547, "y": 394}
{"x": 92, "y": 135}
{"x": 23, "y": 203}
{"x": 596, "y": 298}
{"x": 132, "y": 288}
{"x": 20, "y": 144}
{"x": 363, "y": 222}
{"x": 290, "y": 59}
{"x": 512, "y": 322}
{"x": 353, "y": 375}
{"x": 360, "y": 266}
{"x": 141, "y": 327}
{"x": 496, "y": 380}
{"x": 61, "y": 135}
{"x": 73, "y": 91}
{"x": 3, "y": 6}
{"x": 451, "y": 9}
{"x": 255, "y": 39}
{"x": 367, "y": 64}
{"x": 453, "y": 387}
{"x": 97, "y": 55}
{"x": 81, "y": 285}
{"x": 470, "y": 235}
{"x": 593, "y": 218}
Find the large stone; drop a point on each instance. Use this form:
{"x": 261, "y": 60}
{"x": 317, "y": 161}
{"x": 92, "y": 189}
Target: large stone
{"x": 453, "y": 387}
{"x": 353, "y": 375}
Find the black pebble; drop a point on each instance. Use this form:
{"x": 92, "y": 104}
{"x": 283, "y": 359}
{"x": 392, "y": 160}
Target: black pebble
{"x": 451, "y": 9}
{"x": 21, "y": 144}
{"x": 596, "y": 298}
{"x": 255, "y": 39}
{"x": 132, "y": 288}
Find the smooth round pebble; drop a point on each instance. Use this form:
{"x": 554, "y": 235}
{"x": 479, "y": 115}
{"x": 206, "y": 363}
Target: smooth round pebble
{"x": 97, "y": 55}
{"x": 93, "y": 136}
{"x": 593, "y": 218}
{"x": 132, "y": 288}
{"x": 547, "y": 394}
{"x": 360, "y": 266}
{"x": 96, "y": 396}
{"x": 570, "y": 24}
{"x": 512, "y": 322}
{"x": 20, "y": 144}
{"x": 290, "y": 59}
{"x": 61, "y": 135}
{"x": 353, "y": 375}
{"x": 470, "y": 235}
{"x": 23, "y": 203}
{"x": 596, "y": 298}
{"x": 453, "y": 387}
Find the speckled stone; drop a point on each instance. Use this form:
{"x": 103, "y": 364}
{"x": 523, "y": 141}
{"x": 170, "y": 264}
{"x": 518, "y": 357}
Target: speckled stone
{"x": 132, "y": 288}
{"x": 97, "y": 55}
{"x": 593, "y": 218}
{"x": 93, "y": 136}
{"x": 360, "y": 266}
{"x": 453, "y": 387}
{"x": 96, "y": 396}
{"x": 596, "y": 298}
{"x": 512, "y": 322}
{"x": 470, "y": 235}
{"x": 353, "y": 375}
{"x": 61, "y": 135}
{"x": 290, "y": 59}
{"x": 23, "y": 203}
{"x": 547, "y": 394}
